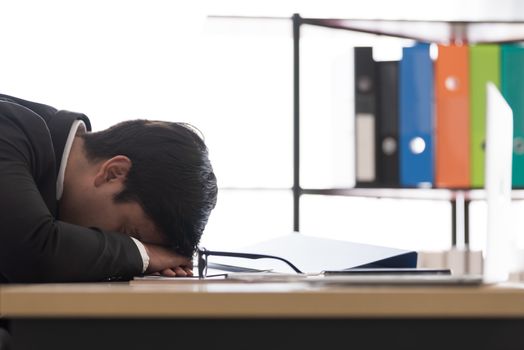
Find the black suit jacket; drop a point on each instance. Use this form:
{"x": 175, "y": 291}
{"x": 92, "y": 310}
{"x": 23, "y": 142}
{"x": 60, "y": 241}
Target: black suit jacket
{"x": 35, "y": 246}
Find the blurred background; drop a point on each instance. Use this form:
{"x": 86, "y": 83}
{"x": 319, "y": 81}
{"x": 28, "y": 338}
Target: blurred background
{"x": 232, "y": 78}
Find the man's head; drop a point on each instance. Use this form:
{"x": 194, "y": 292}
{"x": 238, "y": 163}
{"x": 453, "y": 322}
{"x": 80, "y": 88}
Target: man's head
{"x": 149, "y": 179}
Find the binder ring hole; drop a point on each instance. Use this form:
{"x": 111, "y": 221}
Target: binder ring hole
{"x": 389, "y": 146}
{"x": 364, "y": 84}
{"x": 518, "y": 145}
{"x": 451, "y": 83}
{"x": 417, "y": 145}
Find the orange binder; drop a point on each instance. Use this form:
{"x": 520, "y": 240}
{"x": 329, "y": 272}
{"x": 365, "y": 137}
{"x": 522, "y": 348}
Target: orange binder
{"x": 452, "y": 117}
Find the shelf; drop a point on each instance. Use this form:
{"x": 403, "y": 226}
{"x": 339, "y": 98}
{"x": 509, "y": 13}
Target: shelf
{"x": 441, "y": 32}
{"x": 434, "y": 31}
{"x": 408, "y": 193}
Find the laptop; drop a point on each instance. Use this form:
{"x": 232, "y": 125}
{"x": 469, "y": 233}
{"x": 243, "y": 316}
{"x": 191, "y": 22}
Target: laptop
{"x": 498, "y": 167}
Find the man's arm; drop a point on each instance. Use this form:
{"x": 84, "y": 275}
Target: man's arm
{"x": 33, "y": 245}
{"x": 36, "y": 247}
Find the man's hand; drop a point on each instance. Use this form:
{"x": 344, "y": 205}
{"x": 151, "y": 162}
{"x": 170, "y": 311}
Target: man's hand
{"x": 167, "y": 263}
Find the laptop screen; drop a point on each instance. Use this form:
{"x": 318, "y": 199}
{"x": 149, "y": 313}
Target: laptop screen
{"x": 499, "y": 149}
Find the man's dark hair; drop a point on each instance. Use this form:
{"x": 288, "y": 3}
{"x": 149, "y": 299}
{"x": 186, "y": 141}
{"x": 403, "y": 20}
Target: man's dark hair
{"x": 170, "y": 177}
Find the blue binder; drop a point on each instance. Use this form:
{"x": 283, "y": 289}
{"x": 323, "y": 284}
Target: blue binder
{"x": 416, "y": 117}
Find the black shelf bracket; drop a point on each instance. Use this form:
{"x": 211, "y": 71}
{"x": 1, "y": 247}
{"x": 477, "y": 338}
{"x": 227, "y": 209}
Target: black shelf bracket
{"x": 297, "y": 191}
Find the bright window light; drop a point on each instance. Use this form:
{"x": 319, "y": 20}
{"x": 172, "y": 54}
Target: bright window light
{"x": 118, "y": 60}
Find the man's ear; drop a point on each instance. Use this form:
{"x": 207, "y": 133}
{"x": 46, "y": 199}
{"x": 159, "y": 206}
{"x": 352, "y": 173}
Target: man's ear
{"x": 113, "y": 169}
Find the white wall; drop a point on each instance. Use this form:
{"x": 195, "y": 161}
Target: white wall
{"x": 116, "y": 60}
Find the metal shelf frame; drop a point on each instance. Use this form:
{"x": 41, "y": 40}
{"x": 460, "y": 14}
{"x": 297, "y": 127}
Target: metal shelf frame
{"x": 459, "y": 199}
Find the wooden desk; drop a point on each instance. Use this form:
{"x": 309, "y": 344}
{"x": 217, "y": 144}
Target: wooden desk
{"x": 220, "y": 315}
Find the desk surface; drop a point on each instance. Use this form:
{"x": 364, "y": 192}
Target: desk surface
{"x": 258, "y": 300}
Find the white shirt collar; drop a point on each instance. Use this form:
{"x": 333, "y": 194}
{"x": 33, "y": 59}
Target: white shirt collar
{"x": 65, "y": 157}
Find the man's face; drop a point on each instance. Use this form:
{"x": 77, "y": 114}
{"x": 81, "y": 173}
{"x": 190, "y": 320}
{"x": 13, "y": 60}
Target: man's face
{"x": 88, "y": 199}
{"x": 128, "y": 218}
{"x": 104, "y": 213}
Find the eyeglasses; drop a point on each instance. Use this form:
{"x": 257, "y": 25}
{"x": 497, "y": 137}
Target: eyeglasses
{"x": 203, "y": 254}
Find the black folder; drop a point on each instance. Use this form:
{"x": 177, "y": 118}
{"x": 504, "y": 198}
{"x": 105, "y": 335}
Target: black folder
{"x": 387, "y": 142}
{"x": 365, "y": 92}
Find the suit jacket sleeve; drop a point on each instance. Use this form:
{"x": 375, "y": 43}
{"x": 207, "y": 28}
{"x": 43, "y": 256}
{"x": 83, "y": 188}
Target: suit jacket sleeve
{"x": 34, "y": 247}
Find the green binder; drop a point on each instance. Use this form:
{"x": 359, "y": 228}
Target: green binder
{"x": 484, "y": 67}
{"x": 512, "y": 87}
